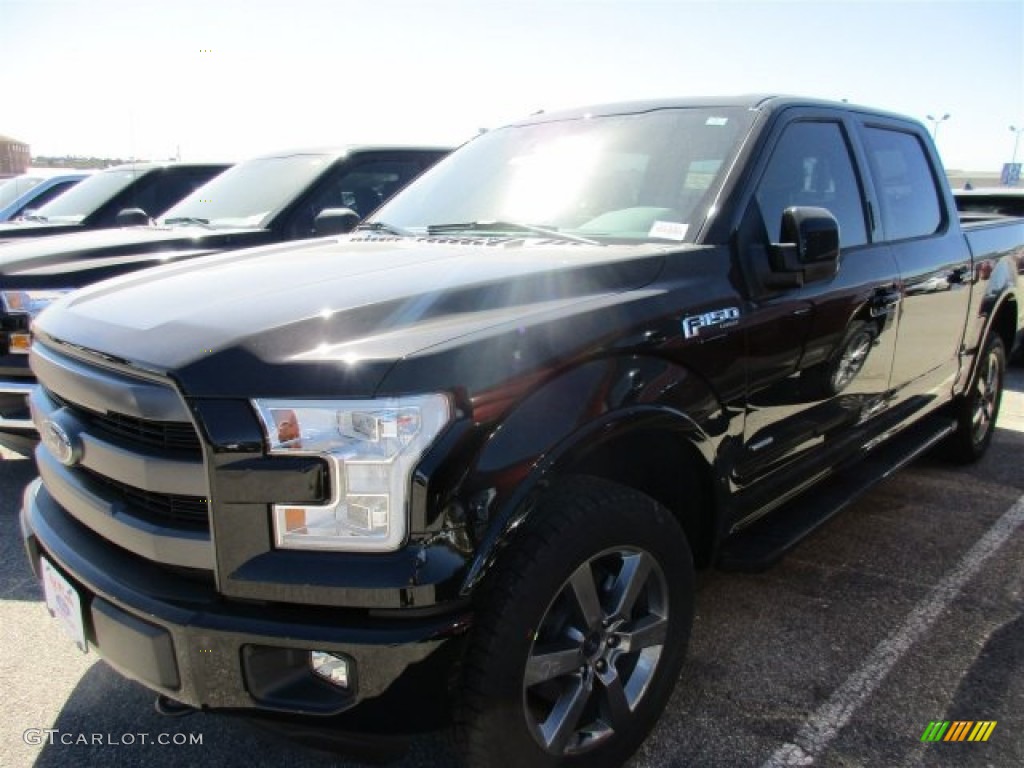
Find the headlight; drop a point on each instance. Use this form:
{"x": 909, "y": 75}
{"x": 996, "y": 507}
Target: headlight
{"x": 31, "y": 303}
{"x": 372, "y": 447}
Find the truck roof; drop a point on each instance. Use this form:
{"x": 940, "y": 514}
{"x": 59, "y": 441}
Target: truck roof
{"x": 352, "y": 149}
{"x": 148, "y": 165}
{"x": 757, "y": 101}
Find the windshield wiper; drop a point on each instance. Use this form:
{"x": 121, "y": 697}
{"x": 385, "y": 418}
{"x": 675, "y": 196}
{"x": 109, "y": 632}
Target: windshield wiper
{"x": 382, "y": 226}
{"x": 506, "y": 226}
{"x": 33, "y": 217}
{"x": 189, "y": 220}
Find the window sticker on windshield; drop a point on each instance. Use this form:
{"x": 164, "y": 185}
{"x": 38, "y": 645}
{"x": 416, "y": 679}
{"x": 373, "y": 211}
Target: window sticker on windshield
{"x": 717, "y": 121}
{"x": 669, "y": 230}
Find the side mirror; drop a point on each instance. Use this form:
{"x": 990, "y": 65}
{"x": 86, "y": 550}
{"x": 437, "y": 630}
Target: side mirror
{"x": 809, "y": 250}
{"x": 131, "y": 217}
{"x": 335, "y": 221}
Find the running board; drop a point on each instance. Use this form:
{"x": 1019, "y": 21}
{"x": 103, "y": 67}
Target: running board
{"x": 762, "y": 544}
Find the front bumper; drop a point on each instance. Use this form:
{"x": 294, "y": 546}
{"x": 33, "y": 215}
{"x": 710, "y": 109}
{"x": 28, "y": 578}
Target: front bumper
{"x": 173, "y": 632}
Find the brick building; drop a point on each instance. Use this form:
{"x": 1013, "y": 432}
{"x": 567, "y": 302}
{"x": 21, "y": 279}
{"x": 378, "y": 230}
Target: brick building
{"x": 14, "y": 157}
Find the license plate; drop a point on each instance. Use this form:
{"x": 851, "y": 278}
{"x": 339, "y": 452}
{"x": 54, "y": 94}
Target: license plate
{"x": 64, "y": 604}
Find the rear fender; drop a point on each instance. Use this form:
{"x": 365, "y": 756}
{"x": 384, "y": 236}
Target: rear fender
{"x": 997, "y": 312}
{"x": 997, "y": 283}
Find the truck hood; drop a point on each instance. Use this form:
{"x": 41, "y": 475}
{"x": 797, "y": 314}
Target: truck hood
{"x": 70, "y": 260}
{"x": 330, "y": 318}
{"x": 17, "y": 231}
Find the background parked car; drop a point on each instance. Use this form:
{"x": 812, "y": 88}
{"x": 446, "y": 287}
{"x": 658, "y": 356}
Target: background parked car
{"x": 96, "y": 202}
{"x": 270, "y": 199}
{"x": 29, "y": 192}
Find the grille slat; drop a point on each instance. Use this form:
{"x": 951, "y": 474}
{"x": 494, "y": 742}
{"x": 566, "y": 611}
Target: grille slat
{"x": 165, "y": 435}
{"x": 160, "y": 508}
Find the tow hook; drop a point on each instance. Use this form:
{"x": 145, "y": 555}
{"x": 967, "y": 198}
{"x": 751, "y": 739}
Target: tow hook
{"x": 168, "y": 707}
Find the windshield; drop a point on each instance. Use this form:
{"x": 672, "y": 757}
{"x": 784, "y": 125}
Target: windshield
{"x": 628, "y": 178}
{"x": 246, "y": 195}
{"x": 88, "y": 195}
{"x": 12, "y": 189}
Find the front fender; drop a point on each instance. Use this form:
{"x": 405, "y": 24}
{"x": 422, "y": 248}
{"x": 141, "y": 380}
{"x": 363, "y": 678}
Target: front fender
{"x": 558, "y": 424}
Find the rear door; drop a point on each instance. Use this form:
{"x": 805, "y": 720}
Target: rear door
{"x": 933, "y": 260}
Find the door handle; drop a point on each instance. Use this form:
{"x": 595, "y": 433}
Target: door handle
{"x": 956, "y": 276}
{"x": 884, "y": 301}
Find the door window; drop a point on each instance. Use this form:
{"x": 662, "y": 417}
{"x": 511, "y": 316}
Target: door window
{"x": 811, "y": 166}
{"x": 174, "y": 184}
{"x": 362, "y": 188}
{"x": 906, "y": 187}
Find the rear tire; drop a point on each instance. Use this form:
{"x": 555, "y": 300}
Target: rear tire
{"x": 976, "y": 410}
{"x": 580, "y": 632}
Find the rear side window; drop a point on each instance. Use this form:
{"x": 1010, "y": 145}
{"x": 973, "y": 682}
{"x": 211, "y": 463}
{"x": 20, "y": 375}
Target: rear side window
{"x": 811, "y": 166}
{"x": 906, "y": 187}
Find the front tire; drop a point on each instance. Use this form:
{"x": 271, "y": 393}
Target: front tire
{"x": 580, "y": 633}
{"x": 977, "y": 409}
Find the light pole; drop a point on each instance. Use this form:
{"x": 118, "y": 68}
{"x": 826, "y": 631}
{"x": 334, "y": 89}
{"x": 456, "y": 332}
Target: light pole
{"x": 936, "y": 122}
{"x": 1016, "y": 141}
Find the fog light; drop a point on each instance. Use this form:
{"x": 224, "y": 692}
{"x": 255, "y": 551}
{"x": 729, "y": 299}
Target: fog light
{"x": 331, "y": 667}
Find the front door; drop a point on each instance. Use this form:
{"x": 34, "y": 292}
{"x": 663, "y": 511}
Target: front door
{"x": 819, "y": 356}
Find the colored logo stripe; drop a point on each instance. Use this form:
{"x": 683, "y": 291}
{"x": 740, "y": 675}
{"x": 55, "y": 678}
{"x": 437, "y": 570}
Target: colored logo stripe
{"x": 958, "y": 730}
{"x": 982, "y": 731}
{"x": 935, "y": 730}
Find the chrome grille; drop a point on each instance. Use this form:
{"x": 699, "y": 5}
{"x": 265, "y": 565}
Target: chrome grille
{"x": 137, "y": 475}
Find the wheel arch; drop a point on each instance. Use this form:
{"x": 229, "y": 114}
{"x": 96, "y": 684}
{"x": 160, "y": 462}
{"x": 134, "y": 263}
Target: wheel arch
{"x": 1000, "y": 317}
{"x": 1005, "y": 322}
{"x": 656, "y": 450}
{"x": 664, "y": 463}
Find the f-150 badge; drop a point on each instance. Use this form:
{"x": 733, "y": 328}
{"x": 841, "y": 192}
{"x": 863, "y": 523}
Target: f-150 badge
{"x": 725, "y": 317}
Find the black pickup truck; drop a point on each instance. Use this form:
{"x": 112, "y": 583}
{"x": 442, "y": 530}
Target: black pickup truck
{"x": 269, "y": 199}
{"x": 464, "y": 461}
{"x": 124, "y": 193}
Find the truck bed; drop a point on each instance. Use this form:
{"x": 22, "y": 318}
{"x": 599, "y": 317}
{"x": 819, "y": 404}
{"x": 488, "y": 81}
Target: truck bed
{"x": 984, "y": 205}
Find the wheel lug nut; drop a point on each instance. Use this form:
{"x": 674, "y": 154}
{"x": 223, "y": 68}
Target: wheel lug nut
{"x": 600, "y": 665}
{"x": 613, "y": 642}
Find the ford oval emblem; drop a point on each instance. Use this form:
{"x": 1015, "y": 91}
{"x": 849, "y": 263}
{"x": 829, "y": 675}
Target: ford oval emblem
{"x": 59, "y": 443}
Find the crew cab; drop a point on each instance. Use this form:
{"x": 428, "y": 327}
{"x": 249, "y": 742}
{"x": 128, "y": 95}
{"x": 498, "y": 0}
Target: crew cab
{"x": 273, "y": 198}
{"x": 464, "y": 461}
{"x": 122, "y": 194}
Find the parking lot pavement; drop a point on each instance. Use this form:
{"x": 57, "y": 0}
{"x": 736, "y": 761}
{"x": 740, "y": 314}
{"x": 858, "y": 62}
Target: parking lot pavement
{"x": 906, "y": 609}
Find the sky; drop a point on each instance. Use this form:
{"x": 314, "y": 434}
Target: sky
{"x": 226, "y": 79}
